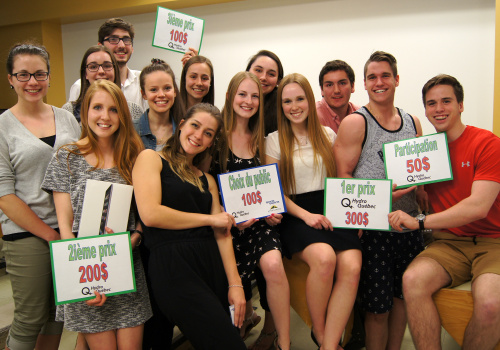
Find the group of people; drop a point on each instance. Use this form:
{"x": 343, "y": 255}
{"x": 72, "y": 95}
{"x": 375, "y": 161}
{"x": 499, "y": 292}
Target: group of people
{"x": 191, "y": 260}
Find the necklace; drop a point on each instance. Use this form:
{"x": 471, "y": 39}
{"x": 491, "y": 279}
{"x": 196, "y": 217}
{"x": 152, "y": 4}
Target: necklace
{"x": 303, "y": 140}
{"x": 160, "y": 141}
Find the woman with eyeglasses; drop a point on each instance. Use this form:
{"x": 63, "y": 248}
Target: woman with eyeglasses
{"x": 98, "y": 63}
{"x": 30, "y": 132}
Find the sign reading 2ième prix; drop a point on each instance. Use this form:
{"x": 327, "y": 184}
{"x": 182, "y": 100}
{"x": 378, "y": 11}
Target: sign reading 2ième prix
{"x": 418, "y": 161}
{"x": 81, "y": 266}
{"x": 176, "y": 31}
{"x": 358, "y": 203}
{"x": 252, "y": 193}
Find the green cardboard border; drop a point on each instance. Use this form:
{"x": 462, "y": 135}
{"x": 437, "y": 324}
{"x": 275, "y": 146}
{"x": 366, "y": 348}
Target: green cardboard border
{"x": 426, "y": 182}
{"x": 91, "y": 297}
{"x": 165, "y": 48}
{"x": 353, "y": 178}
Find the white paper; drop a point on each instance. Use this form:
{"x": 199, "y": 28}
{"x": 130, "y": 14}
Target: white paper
{"x": 93, "y": 205}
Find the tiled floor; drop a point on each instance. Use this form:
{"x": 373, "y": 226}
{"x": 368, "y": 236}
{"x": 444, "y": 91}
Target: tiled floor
{"x": 300, "y": 332}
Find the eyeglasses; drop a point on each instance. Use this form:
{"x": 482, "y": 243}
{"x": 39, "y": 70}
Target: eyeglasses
{"x": 25, "y": 76}
{"x": 94, "y": 67}
{"x": 115, "y": 40}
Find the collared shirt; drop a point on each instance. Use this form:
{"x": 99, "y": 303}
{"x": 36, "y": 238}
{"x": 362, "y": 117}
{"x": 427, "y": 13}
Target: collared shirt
{"x": 328, "y": 117}
{"x": 141, "y": 125}
{"x": 131, "y": 89}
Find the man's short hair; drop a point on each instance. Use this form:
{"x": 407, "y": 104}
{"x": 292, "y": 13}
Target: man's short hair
{"x": 444, "y": 79}
{"x": 111, "y": 24}
{"x": 381, "y": 56}
{"x": 334, "y": 66}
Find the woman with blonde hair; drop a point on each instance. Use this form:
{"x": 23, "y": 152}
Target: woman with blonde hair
{"x": 303, "y": 150}
{"x": 106, "y": 151}
{"x": 256, "y": 242}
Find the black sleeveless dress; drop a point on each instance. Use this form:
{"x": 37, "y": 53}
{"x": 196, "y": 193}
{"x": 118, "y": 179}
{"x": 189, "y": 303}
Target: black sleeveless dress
{"x": 186, "y": 271}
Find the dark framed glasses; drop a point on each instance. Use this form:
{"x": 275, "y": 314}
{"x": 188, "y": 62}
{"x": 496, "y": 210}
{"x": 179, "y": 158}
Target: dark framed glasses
{"x": 94, "y": 67}
{"x": 25, "y": 76}
{"x": 115, "y": 40}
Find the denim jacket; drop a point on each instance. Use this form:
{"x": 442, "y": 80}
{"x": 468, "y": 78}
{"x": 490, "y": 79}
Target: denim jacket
{"x": 141, "y": 125}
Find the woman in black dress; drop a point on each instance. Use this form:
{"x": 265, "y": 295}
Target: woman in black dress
{"x": 191, "y": 266}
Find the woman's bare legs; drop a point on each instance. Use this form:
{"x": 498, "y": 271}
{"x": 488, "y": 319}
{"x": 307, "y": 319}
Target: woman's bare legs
{"x": 322, "y": 260}
{"x": 278, "y": 294}
{"x": 343, "y": 296}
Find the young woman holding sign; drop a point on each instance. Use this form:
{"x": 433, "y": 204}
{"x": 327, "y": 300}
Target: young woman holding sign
{"x": 267, "y": 66}
{"x": 30, "y": 132}
{"x": 197, "y": 81}
{"x": 106, "y": 151}
{"x": 255, "y": 242}
{"x": 191, "y": 266}
{"x": 303, "y": 150}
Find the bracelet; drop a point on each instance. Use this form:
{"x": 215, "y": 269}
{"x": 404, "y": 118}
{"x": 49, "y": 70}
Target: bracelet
{"x": 139, "y": 232}
{"x": 235, "y": 285}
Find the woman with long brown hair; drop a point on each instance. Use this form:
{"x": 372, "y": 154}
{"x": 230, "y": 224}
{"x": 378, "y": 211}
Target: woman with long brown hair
{"x": 192, "y": 269}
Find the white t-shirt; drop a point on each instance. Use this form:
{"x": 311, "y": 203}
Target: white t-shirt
{"x": 131, "y": 89}
{"x": 307, "y": 179}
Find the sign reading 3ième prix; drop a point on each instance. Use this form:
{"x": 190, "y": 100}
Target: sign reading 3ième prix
{"x": 358, "y": 203}
{"x": 176, "y": 31}
{"x": 418, "y": 161}
{"x": 252, "y": 193}
{"x": 81, "y": 266}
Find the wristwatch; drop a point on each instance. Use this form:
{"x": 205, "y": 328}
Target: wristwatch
{"x": 421, "y": 218}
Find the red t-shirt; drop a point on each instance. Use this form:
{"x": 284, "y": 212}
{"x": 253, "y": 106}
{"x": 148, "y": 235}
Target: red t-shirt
{"x": 475, "y": 155}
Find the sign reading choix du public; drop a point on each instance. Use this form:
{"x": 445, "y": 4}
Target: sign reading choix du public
{"x": 418, "y": 161}
{"x": 358, "y": 203}
{"x": 101, "y": 263}
{"x": 177, "y": 31}
{"x": 252, "y": 193}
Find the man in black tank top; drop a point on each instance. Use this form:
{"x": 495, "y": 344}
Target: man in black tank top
{"x": 358, "y": 154}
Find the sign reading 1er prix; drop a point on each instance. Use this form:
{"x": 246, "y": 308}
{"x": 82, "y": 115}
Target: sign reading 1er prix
{"x": 358, "y": 203}
{"x": 176, "y": 31}
{"x": 252, "y": 193}
{"x": 81, "y": 266}
{"x": 417, "y": 161}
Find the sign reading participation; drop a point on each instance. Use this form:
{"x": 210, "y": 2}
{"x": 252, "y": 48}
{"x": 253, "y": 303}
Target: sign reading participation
{"x": 252, "y": 193}
{"x": 176, "y": 31}
{"x": 418, "y": 161}
{"x": 81, "y": 266}
{"x": 358, "y": 203}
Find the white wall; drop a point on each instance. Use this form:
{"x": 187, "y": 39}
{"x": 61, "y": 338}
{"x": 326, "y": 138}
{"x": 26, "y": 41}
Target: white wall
{"x": 427, "y": 37}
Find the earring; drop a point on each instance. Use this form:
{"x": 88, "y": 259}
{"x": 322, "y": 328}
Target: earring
{"x": 12, "y": 87}
{"x": 49, "y": 84}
